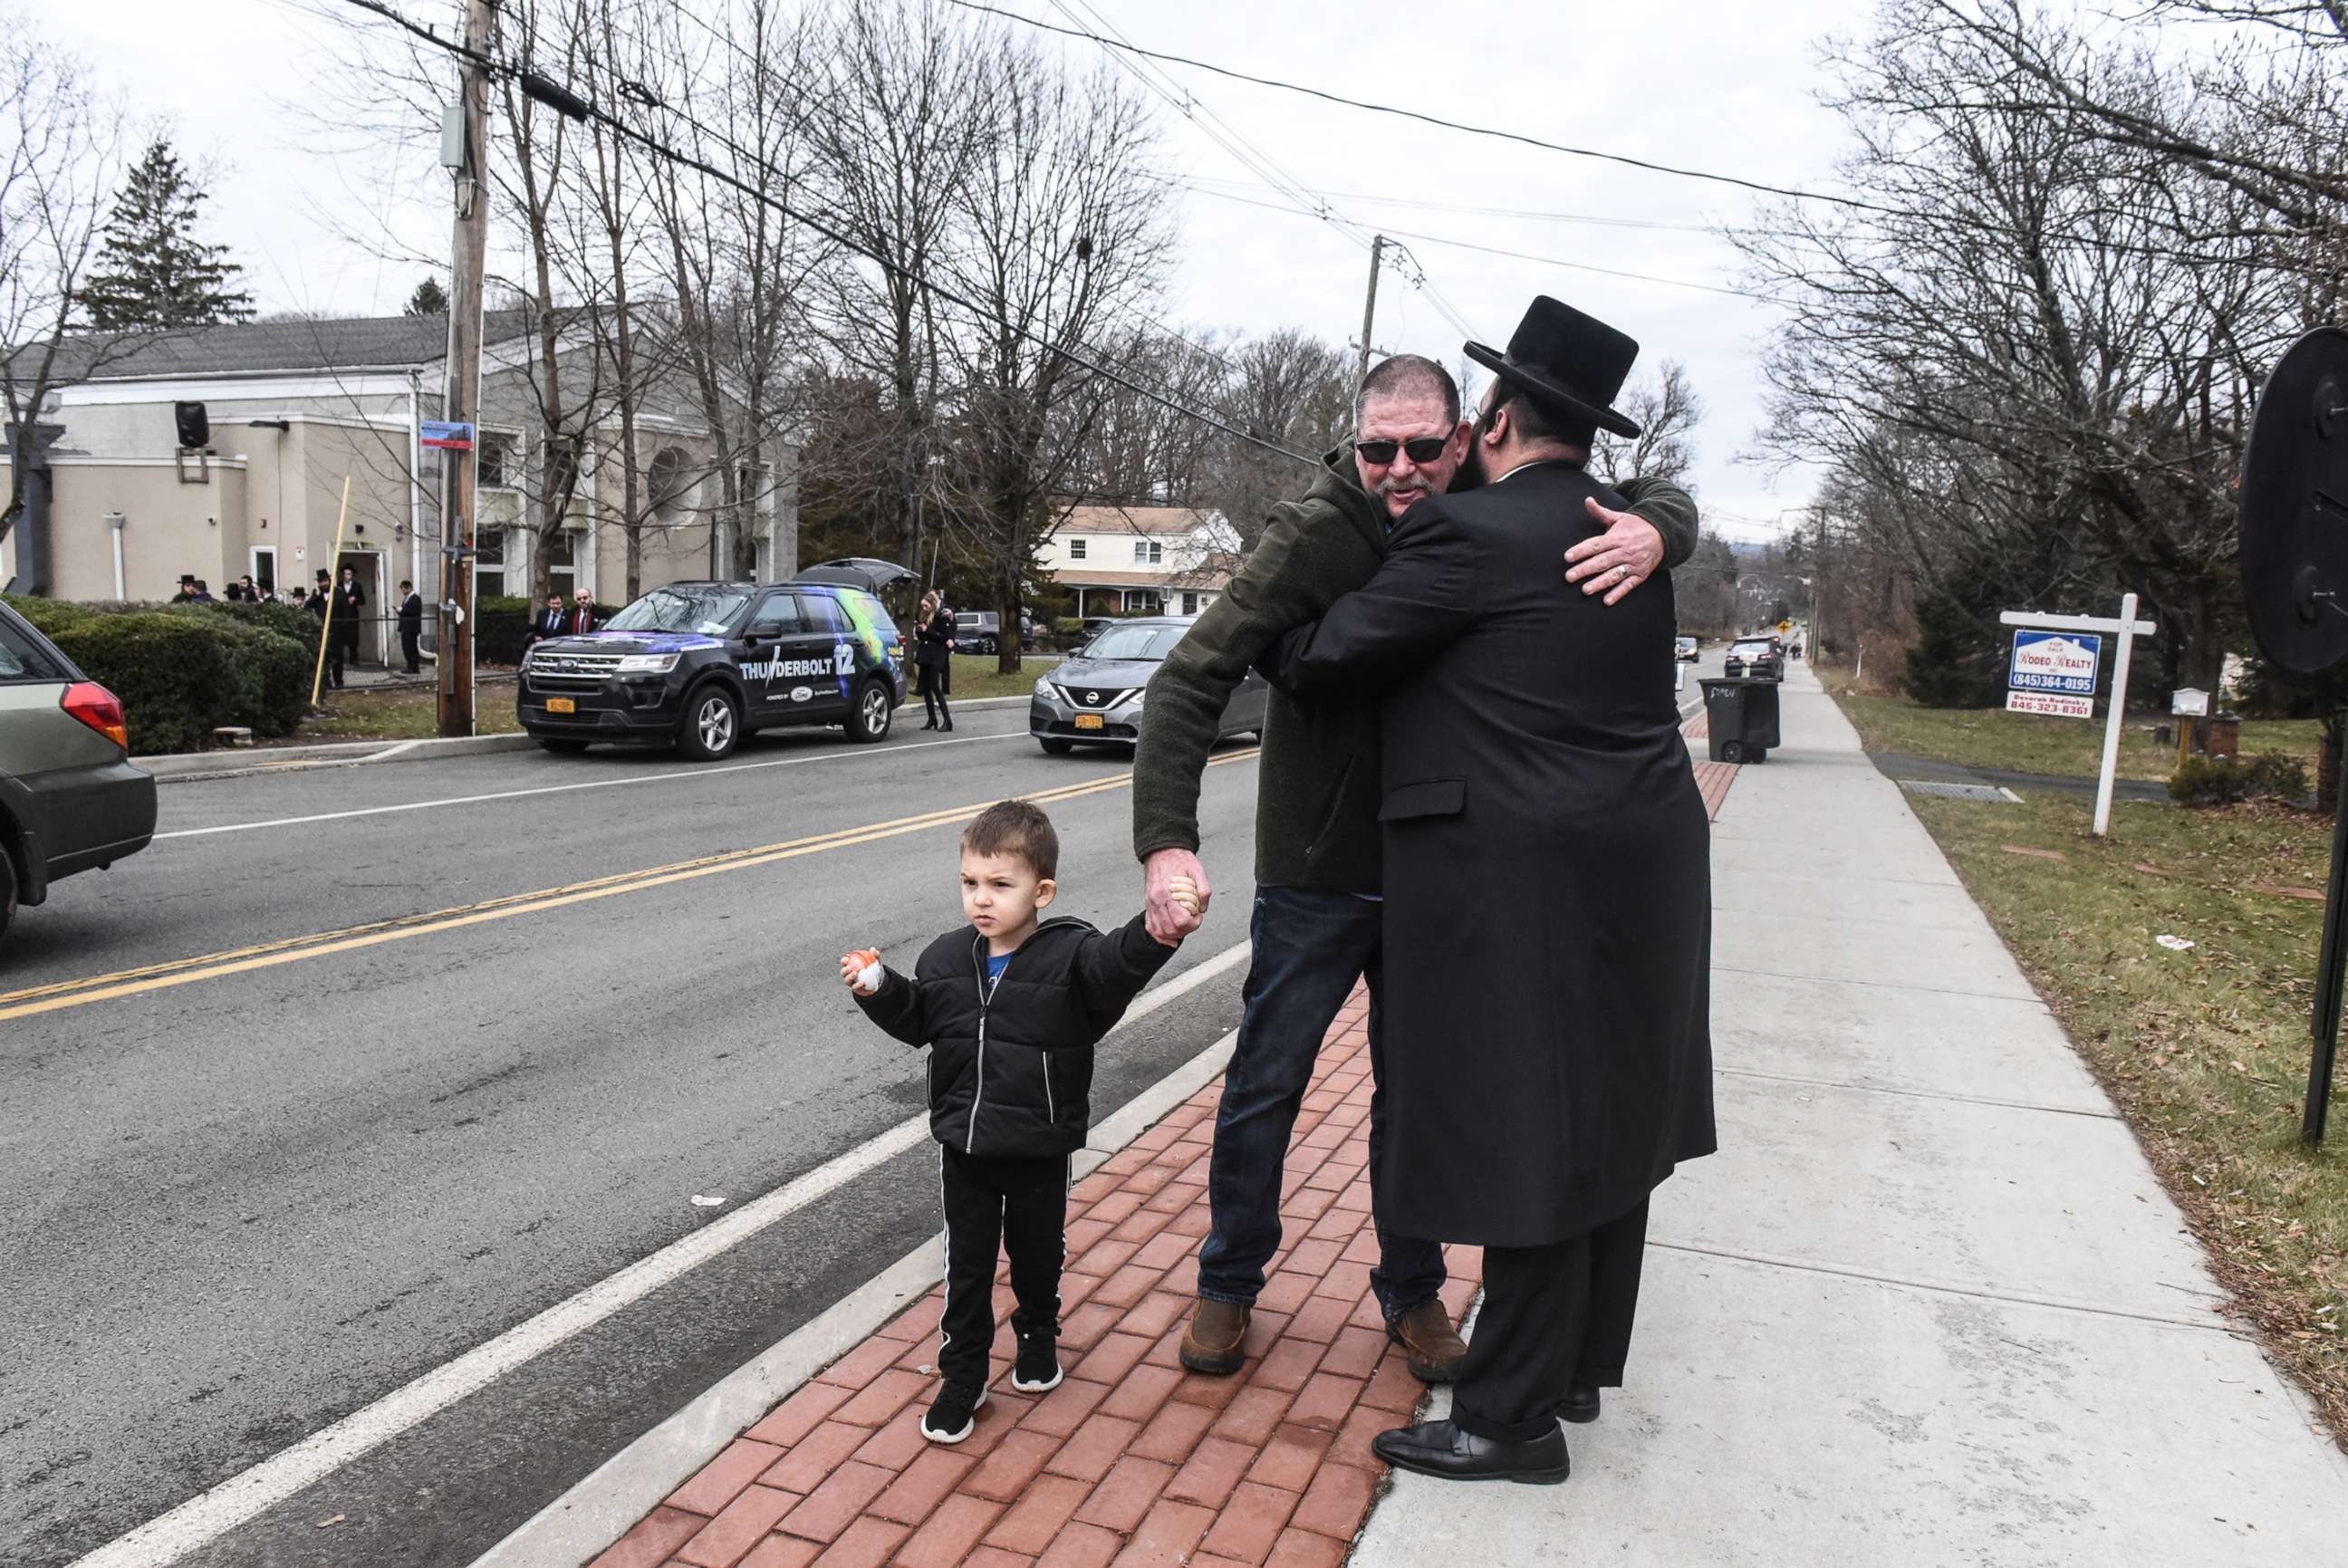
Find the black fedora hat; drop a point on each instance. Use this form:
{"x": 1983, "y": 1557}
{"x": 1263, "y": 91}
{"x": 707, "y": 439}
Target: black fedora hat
{"x": 1571, "y": 362}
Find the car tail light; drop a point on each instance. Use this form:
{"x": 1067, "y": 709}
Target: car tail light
{"x": 98, "y": 707}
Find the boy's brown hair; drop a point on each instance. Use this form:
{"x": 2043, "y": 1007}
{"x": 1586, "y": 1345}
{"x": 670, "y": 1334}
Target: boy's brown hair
{"x": 1020, "y": 829}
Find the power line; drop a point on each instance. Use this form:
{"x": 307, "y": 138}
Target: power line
{"x": 1519, "y": 255}
{"x": 564, "y": 101}
{"x": 1253, "y": 157}
{"x": 1519, "y": 137}
{"x": 1854, "y": 203}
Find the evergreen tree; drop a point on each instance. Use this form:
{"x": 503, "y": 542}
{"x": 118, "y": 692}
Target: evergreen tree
{"x": 429, "y": 299}
{"x": 1956, "y": 661}
{"x": 152, "y": 271}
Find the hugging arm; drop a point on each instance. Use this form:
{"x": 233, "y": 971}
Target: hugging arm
{"x": 1422, "y": 599}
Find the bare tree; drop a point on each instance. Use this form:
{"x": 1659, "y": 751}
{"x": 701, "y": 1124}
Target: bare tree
{"x": 63, "y": 148}
{"x": 1666, "y": 409}
{"x": 1060, "y": 232}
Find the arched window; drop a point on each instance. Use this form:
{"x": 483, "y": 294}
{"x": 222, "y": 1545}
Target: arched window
{"x": 672, "y": 484}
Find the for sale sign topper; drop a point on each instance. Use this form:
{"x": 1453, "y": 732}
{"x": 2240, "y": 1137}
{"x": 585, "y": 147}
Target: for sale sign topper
{"x": 2054, "y": 672}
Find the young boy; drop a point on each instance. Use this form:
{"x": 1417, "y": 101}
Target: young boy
{"x": 1009, "y": 1007}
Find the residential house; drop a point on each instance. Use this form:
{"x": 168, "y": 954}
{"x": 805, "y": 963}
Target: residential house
{"x": 1142, "y": 560}
{"x": 295, "y": 408}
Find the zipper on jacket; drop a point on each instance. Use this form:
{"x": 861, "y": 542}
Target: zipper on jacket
{"x": 987, "y": 999}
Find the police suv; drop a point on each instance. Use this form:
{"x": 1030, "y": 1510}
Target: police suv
{"x": 701, "y": 664}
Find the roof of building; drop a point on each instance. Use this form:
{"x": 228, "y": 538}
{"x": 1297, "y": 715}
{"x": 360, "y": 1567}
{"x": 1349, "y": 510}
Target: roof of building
{"x": 1080, "y": 577}
{"x": 1134, "y": 520}
{"x": 255, "y": 347}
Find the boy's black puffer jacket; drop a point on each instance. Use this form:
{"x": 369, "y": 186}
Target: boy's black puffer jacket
{"x": 1012, "y": 1073}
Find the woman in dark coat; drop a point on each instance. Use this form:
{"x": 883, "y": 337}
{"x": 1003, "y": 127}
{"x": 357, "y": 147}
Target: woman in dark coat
{"x": 934, "y": 659}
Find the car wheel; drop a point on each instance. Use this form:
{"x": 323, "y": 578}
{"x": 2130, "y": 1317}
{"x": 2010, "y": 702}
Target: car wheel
{"x": 989, "y": 645}
{"x": 7, "y": 891}
{"x": 560, "y": 747}
{"x": 1055, "y": 748}
{"x": 870, "y": 718}
{"x": 713, "y": 724}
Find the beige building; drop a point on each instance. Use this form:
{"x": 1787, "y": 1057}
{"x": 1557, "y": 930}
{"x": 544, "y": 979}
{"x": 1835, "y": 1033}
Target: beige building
{"x": 1142, "y": 560}
{"x": 296, "y": 409}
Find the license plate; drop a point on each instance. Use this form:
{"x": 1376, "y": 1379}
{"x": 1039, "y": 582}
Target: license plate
{"x": 1089, "y": 721}
{"x": 561, "y": 705}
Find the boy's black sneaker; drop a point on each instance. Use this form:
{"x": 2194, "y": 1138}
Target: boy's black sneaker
{"x": 954, "y": 1413}
{"x": 1037, "y": 1369}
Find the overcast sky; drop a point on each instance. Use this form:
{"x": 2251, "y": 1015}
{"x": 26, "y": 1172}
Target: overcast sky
{"x": 1703, "y": 83}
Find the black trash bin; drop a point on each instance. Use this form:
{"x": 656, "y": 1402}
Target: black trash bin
{"x": 1741, "y": 716}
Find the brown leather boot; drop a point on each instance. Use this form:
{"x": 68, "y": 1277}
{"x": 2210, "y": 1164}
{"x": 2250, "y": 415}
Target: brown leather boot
{"x": 1431, "y": 1347}
{"x": 1212, "y": 1343}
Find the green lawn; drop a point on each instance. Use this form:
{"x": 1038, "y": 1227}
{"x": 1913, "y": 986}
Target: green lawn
{"x": 974, "y": 675}
{"x": 2205, "y": 1051}
{"x": 2030, "y": 743}
{"x": 358, "y": 715}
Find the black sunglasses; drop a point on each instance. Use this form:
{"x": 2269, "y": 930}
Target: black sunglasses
{"x": 1422, "y": 449}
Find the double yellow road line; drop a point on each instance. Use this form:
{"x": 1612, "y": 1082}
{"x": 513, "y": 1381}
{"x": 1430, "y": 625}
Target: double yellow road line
{"x": 63, "y": 994}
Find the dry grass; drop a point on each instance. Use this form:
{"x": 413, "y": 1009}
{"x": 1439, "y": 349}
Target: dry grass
{"x": 2032, "y": 743}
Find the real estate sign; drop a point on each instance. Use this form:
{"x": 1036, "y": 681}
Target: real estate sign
{"x": 2054, "y": 672}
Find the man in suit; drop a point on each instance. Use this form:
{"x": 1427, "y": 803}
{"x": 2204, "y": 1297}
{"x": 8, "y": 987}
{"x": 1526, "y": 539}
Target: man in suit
{"x": 411, "y": 626}
{"x": 350, "y": 604}
{"x": 553, "y": 620}
{"x": 582, "y": 613}
{"x": 1548, "y": 1057}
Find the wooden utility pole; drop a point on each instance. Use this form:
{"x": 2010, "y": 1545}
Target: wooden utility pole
{"x": 1369, "y": 312}
{"x": 461, "y": 400}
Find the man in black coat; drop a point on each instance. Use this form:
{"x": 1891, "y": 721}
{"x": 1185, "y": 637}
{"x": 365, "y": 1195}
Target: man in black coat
{"x": 1547, "y": 917}
{"x": 553, "y": 620}
{"x": 411, "y": 626}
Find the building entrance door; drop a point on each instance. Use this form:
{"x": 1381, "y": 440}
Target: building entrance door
{"x": 366, "y": 567}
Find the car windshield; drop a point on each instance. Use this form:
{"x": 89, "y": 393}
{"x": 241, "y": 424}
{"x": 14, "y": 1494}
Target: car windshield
{"x": 1134, "y": 643}
{"x": 1752, "y": 650}
{"x": 708, "y": 611}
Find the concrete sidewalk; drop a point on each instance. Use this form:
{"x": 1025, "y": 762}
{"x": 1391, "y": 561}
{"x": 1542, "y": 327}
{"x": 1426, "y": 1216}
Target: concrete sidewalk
{"x": 1928, "y": 1305}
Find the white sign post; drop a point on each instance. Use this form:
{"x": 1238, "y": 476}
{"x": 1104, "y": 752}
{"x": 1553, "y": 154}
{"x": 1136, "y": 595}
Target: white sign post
{"x": 2129, "y": 628}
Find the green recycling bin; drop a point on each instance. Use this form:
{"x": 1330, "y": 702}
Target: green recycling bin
{"x": 1741, "y": 716}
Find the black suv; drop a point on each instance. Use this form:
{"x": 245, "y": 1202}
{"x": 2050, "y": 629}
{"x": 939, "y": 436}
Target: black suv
{"x": 701, "y": 664}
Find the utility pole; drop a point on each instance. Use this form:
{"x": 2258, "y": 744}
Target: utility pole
{"x": 1369, "y": 312}
{"x": 461, "y": 400}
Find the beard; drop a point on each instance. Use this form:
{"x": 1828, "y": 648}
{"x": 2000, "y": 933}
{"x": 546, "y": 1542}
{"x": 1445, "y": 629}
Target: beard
{"x": 1472, "y": 474}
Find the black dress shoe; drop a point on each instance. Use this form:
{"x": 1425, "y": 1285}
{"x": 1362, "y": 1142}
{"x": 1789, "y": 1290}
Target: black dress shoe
{"x": 1581, "y": 1405}
{"x": 1440, "y": 1449}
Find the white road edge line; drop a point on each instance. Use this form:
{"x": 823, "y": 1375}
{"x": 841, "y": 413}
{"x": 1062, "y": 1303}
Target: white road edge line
{"x": 585, "y": 784}
{"x": 607, "y": 1502}
{"x": 213, "y": 1512}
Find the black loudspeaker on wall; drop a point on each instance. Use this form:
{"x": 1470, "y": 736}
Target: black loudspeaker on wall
{"x": 195, "y": 425}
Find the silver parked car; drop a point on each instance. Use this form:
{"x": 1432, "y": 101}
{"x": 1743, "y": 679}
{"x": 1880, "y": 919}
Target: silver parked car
{"x": 69, "y": 799}
{"x": 1093, "y": 697}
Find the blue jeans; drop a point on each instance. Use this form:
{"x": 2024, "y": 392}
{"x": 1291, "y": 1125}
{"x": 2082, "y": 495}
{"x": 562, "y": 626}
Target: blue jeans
{"x": 1310, "y": 947}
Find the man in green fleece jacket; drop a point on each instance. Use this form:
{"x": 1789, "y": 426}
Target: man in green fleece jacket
{"x": 1317, "y": 920}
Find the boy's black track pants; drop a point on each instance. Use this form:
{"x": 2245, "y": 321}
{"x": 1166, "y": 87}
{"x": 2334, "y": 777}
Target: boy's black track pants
{"x": 996, "y": 1204}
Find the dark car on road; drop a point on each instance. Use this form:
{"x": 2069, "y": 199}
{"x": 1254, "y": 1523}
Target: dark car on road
{"x": 1758, "y": 658}
{"x": 701, "y": 664}
{"x": 1093, "y": 697}
{"x": 70, "y": 799}
{"x": 980, "y": 632}
{"x": 1686, "y": 650}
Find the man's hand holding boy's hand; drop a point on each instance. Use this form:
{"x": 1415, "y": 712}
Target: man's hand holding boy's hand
{"x": 1170, "y": 918}
{"x": 861, "y": 971}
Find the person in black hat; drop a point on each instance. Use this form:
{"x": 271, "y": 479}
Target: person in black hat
{"x": 1548, "y": 900}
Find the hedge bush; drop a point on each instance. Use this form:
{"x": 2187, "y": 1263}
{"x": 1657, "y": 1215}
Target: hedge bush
{"x": 184, "y": 671}
{"x": 2222, "y": 780}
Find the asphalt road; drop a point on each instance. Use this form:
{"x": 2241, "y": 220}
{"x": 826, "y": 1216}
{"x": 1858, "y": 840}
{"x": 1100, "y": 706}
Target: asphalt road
{"x": 355, "y": 1069}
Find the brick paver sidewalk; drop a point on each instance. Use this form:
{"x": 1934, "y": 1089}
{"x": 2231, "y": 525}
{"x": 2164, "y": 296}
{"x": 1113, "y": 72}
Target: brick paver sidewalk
{"x": 1131, "y": 1461}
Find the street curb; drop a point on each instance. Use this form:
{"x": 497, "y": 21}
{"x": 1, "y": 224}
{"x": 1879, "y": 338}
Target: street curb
{"x": 605, "y": 1503}
{"x": 197, "y": 767}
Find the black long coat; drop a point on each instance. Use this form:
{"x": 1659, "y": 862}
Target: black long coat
{"x": 1547, "y": 1049}
{"x": 933, "y": 652}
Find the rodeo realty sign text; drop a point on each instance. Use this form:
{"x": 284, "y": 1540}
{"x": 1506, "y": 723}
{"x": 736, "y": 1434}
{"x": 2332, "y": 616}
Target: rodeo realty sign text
{"x": 2054, "y": 672}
